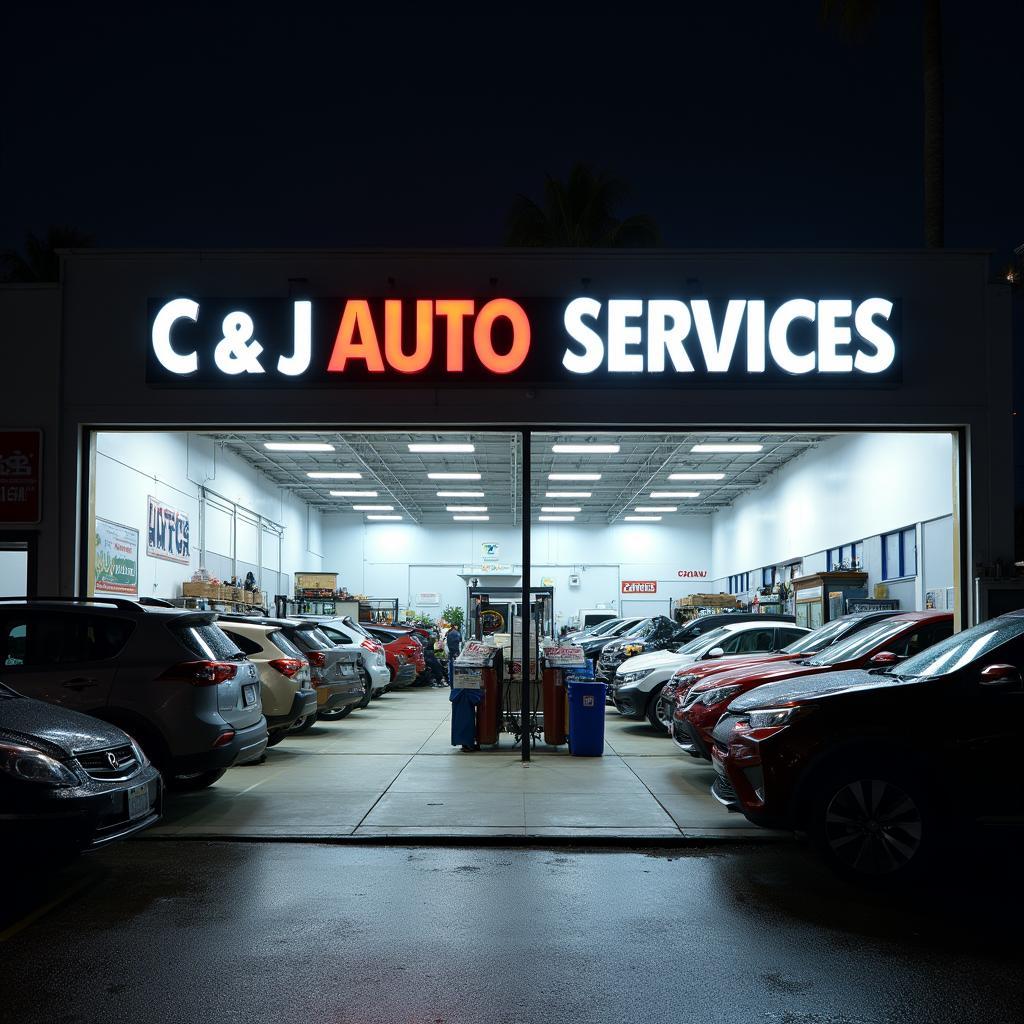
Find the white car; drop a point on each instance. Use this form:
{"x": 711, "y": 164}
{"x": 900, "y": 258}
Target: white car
{"x": 346, "y": 632}
{"x": 639, "y": 681}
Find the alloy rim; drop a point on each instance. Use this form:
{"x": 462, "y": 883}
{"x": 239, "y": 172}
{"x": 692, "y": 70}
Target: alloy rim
{"x": 873, "y": 826}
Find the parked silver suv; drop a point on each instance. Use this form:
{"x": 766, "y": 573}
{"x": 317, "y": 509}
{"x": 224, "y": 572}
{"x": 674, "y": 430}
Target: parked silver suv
{"x": 168, "y": 677}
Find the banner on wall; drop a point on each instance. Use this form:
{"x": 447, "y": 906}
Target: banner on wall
{"x": 168, "y": 534}
{"x": 489, "y": 551}
{"x": 639, "y": 586}
{"x": 21, "y": 460}
{"x": 116, "y": 560}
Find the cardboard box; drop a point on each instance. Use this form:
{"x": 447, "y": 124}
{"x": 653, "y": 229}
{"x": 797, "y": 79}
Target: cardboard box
{"x": 316, "y": 581}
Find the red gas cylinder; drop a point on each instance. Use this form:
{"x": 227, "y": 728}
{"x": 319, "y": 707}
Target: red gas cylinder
{"x": 553, "y": 701}
{"x": 488, "y": 711}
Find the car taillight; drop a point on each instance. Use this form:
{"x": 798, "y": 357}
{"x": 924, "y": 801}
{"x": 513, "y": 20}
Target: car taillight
{"x": 288, "y": 666}
{"x": 371, "y": 645}
{"x": 201, "y": 673}
{"x": 224, "y": 738}
{"x": 317, "y": 659}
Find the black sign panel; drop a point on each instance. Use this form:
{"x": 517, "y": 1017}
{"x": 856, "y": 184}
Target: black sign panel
{"x": 597, "y": 342}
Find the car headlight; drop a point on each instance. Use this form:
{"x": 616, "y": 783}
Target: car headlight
{"x": 635, "y": 677}
{"x": 771, "y": 718}
{"x": 719, "y": 693}
{"x": 140, "y": 754}
{"x": 683, "y": 679}
{"x": 31, "y": 765}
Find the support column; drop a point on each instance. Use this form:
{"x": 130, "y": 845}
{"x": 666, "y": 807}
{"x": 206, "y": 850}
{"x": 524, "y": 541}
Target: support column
{"x": 524, "y": 709}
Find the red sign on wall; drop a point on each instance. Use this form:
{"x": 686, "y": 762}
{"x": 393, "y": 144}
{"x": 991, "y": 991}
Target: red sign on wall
{"x": 21, "y": 476}
{"x": 639, "y": 586}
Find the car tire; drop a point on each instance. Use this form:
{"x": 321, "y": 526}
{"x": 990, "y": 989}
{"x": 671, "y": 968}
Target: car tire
{"x": 195, "y": 780}
{"x": 275, "y": 737}
{"x": 303, "y": 724}
{"x": 336, "y": 714}
{"x": 872, "y": 825}
{"x": 653, "y": 715}
{"x": 368, "y": 687}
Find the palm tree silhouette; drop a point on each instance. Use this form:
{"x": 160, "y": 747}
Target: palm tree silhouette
{"x": 41, "y": 260}
{"x": 855, "y": 17}
{"x": 578, "y": 213}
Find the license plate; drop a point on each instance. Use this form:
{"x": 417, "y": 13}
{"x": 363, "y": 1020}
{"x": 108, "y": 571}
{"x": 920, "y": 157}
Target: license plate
{"x": 249, "y": 694}
{"x": 138, "y": 802}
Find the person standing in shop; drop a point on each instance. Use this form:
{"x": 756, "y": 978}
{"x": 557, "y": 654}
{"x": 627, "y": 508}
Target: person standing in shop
{"x": 453, "y": 641}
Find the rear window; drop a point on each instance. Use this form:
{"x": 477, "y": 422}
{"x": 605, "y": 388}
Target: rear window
{"x": 245, "y": 645}
{"x": 310, "y": 640}
{"x": 285, "y": 645}
{"x": 336, "y": 635}
{"x": 206, "y": 640}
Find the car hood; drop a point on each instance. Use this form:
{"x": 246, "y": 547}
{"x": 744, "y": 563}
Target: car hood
{"x": 656, "y": 659}
{"x": 811, "y": 687}
{"x": 55, "y": 730}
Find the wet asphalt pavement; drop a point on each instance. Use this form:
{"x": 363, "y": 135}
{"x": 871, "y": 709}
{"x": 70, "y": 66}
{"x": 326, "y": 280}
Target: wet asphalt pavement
{"x": 294, "y": 932}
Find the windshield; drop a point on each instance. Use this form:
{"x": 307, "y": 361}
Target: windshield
{"x": 642, "y": 628}
{"x": 962, "y": 649}
{"x": 704, "y": 642}
{"x": 861, "y": 643}
{"x": 602, "y": 627}
{"x": 820, "y": 638}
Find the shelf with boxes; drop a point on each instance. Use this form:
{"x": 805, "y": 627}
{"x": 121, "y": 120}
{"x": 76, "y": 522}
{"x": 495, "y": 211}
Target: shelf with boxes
{"x": 219, "y": 593}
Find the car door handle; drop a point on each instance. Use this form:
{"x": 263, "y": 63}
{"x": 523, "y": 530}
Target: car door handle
{"x": 80, "y": 684}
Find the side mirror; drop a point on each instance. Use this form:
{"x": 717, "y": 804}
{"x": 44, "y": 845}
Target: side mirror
{"x": 1001, "y": 675}
{"x": 715, "y": 652}
{"x": 885, "y": 658}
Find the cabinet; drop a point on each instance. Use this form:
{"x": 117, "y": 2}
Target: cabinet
{"x": 822, "y": 596}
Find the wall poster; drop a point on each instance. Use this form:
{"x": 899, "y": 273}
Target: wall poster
{"x": 168, "y": 533}
{"x": 116, "y": 559}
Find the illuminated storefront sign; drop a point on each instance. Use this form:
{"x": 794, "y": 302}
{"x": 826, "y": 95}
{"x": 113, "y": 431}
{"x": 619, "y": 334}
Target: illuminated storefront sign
{"x": 309, "y": 342}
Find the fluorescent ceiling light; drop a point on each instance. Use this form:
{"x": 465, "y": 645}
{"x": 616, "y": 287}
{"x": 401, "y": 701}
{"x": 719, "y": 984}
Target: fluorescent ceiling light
{"x": 655, "y": 508}
{"x": 374, "y": 508}
{"x": 460, "y": 494}
{"x": 696, "y": 476}
{"x": 385, "y": 518}
{"x": 352, "y": 494}
{"x": 297, "y": 446}
{"x": 568, "y": 494}
{"x": 727, "y": 448}
{"x": 675, "y": 494}
{"x": 642, "y": 519}
{"x": 563, "y": 508}
{"x": 446, "y": 449}
{"x": 574, "y": 476}
{"x": 471, "y": 519}
{"x": 585, "y": 449}
{"x": 557, "y": 519}
{"x": 453, "y": 476}
{"x": 335, "y": 475}
{"x": 465, "y": 508}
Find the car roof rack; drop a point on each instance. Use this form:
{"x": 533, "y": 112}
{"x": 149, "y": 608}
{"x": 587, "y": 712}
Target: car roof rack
{"x": 117, "y": 602}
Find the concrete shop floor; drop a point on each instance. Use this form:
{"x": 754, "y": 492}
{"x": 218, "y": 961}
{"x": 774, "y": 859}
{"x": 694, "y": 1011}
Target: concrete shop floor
{"x": 390, "y": 770}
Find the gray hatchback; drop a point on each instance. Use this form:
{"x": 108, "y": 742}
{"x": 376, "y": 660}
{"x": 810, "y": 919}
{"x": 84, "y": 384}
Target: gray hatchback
{"x": 168, "y": 677}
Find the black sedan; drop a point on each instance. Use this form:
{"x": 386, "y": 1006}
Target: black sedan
{"x": 68, "y": 781}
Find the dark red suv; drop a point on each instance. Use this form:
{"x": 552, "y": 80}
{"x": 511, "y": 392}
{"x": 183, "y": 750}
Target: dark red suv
{"x": 899, "y": 636}
{"x": 877, "y": 766}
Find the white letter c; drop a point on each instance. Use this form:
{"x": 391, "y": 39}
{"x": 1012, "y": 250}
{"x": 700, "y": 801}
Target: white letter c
{"x": 176, "y": 309}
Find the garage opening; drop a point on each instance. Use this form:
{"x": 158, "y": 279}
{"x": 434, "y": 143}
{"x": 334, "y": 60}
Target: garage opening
{"x": 385, "y": 539}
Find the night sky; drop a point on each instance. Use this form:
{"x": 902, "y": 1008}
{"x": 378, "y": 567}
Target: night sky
{"x": 734, "y": 125}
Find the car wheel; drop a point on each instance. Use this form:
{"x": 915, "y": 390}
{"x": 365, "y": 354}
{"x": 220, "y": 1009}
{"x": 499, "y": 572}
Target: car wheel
{"x": 336, "y": 714}
{"x": 196, "y": 780}
{"x": 276, "y": 736}
{"x": 368, "y": 691}
{"x": 872, "y": 825}
{"x": 654, "y": 712}
{"x": 304, "y": 723}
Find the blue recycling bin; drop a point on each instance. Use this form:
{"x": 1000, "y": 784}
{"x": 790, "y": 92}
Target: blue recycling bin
{"x": 586, "y": 719}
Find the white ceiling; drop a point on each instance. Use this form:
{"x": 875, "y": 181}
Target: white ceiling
{"x": 642, "y": 464}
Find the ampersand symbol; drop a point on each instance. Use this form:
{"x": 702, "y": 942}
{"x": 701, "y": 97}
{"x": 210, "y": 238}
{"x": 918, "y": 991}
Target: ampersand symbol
{"x": 238, "y": 351}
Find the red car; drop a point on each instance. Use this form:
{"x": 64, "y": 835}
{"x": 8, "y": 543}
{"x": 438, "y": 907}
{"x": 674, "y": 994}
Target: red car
{"x": 803, "y": 647}
{"x": 404, "y": 653}
{"x": 883, "y": 768}
{"x": 900, "y": 636}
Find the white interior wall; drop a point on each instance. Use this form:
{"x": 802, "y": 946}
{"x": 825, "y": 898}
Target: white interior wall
{"x": 849, "y": 489}
{"x": 174, "y": 467}
{"x": 13, "y": 573}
